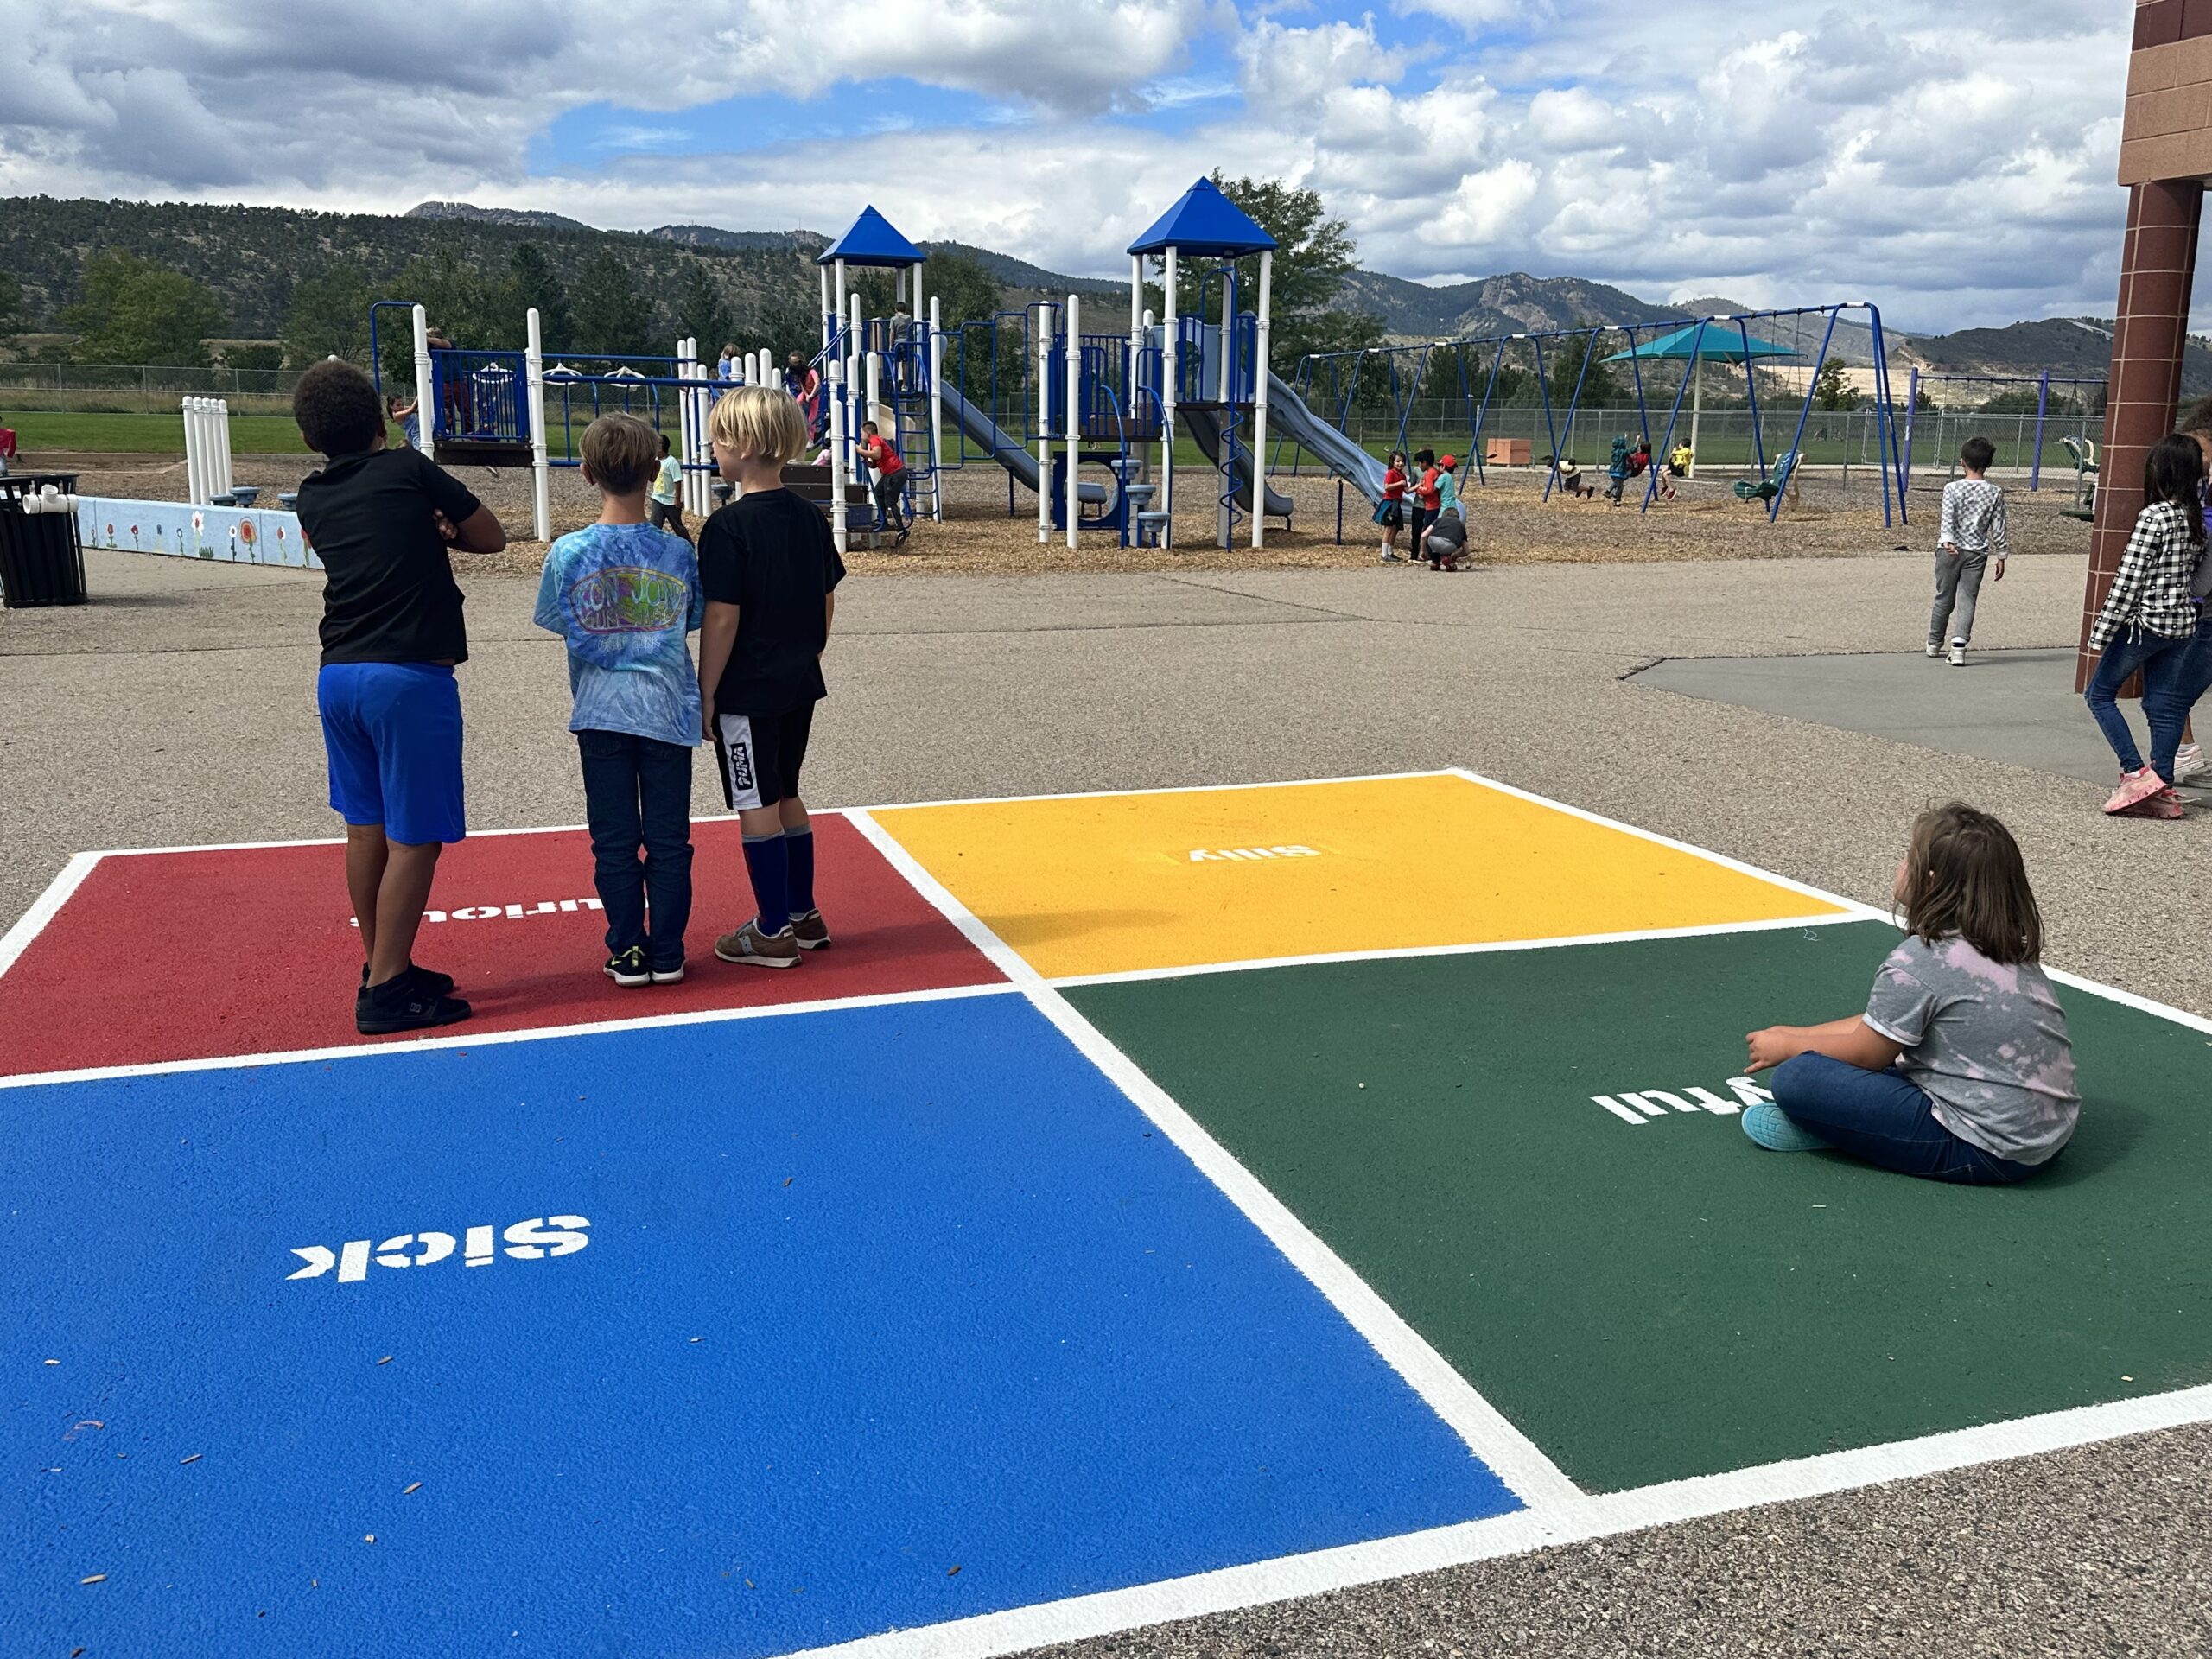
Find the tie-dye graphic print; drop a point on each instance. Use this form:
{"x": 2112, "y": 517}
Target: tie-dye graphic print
{"x": 1985, "y": 1040}
{"x": 624, "y": 596}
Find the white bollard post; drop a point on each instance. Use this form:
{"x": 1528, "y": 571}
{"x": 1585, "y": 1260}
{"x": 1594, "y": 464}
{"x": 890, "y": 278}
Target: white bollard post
{"x": 836, "y": 350}
{"x": 1045, "y": 311}
{"x": 1167, "y": 373}
{"x": 541, "y": 454}
{"x": 936, "y": 412}
{"x": 426, "y": 401}
{"x": 1075, "y": 410}
{"x": 1260, "y": 404}
{"x": 223, "y": 481}
{"x": 194, "y": 490}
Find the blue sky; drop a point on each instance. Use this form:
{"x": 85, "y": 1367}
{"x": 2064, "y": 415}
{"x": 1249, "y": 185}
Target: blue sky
{"x": 1769, "y": 154}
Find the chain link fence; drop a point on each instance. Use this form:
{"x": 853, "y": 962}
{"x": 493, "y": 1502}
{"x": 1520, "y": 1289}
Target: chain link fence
{"x": 145, "y": 389}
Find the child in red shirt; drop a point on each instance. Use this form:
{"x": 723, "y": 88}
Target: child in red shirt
{"x": 890, "y": 478}
{"x": 1427, "y": 497}
{"x": 1391, "y": 514}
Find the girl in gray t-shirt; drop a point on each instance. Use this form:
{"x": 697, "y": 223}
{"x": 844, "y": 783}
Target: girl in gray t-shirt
{"x": 1959, "y": 1070}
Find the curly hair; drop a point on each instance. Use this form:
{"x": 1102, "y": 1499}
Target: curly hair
{"x": 336, "y": 407}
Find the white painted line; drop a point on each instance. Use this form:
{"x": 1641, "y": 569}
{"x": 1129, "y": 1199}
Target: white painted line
{"x": 33, "y": 921}
{"x": 1392, "y": 953}
{"x": 1510, "y": 1454}
{"x": 1163, "y": 789}
{"x": 1577, "y": 1520}
{"x": 371, "y": 1049}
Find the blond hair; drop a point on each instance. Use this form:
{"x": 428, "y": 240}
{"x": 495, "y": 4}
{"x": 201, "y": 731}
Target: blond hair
{"x": 621, "y": 454}
{"x": 761, "y": 422}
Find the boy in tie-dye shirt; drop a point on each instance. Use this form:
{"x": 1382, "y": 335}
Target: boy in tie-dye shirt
{"x": 624, "y": 594}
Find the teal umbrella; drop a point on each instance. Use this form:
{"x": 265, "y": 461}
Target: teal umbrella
{"x": 1718, "y": 341}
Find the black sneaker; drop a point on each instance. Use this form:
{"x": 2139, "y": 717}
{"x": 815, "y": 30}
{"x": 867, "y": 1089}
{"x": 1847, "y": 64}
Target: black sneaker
{"x": 627, "y": 968}
{"x": 442, "y": 983}
{"x": 671, "y": 975}
{"x": 405, "y": 1003}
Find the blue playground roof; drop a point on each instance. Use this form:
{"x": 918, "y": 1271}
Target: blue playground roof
{"x": 1723, "y": 342}
{"x": 1207, "y": 223}
{"x": 872, "y": 240}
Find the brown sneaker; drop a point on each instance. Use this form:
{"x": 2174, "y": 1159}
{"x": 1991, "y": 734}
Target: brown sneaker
{"x": 811, "y": 931}
{"x": 751, "y": 946}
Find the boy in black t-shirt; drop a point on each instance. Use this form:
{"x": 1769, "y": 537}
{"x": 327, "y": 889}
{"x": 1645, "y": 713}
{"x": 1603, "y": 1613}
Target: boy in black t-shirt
{"x": 769, "y": 570}
{"x": 380, "y": 520}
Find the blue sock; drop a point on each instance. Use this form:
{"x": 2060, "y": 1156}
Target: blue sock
{"x": 769, "y": 866}
{"x": 799, "y": 844}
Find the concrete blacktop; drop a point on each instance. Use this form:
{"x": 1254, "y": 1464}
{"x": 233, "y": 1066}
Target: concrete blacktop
{"x": 179, "y": 708}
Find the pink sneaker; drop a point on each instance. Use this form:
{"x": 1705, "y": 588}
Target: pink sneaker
{"x": 2166, "y": 804}
{"x": 2135, "y": 788}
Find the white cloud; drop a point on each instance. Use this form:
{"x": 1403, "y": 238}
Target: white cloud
{"x": 1800, "y": 157}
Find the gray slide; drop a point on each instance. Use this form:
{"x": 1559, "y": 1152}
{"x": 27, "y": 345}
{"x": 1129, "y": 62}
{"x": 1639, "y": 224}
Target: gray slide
{"x": 1289, "y": 418}
{"x": 1016, "y": 458}
{"x": 1288, "y": 415}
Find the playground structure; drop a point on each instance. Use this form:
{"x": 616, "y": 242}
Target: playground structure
{"x": 2069, "y": 406}
{"x": 1486, "y": 375}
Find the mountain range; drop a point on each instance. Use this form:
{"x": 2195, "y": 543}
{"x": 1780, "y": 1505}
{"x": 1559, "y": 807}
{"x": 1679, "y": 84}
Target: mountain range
{"x": 252, "y": 256}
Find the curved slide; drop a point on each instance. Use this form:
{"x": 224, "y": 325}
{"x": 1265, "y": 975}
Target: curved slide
{"x": 1015, "y": 457}
{"x": 1288, "y": 415}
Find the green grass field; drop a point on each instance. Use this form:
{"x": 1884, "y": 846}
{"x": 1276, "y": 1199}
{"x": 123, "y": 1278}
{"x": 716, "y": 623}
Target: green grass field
{"x": 149, "y": 435}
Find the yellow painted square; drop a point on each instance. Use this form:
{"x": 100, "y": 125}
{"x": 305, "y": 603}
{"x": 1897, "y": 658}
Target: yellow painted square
{"x": 1102, "y": 884}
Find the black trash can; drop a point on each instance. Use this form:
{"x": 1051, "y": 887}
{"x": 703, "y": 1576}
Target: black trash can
{"x": 41, "y": 561}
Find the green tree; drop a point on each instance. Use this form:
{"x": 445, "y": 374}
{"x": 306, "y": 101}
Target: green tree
{"x": 253, "y": 356}
{"x": 1831, "y": 387}
{"x": 531, "y": 281}
{"x": 703, "y": 312}
{"x": 329, "y": 317}
{"x": 1600, "y": 386}
{"x": 136, "y": 311}
{"x": 11, "y": 309}
{"x": 963, "y": 287}
{"x": 611, "y": 318}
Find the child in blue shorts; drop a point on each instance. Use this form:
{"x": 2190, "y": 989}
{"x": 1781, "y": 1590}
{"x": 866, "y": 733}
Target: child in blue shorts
{"x": 624, "y": 593}
{"x": 381, "y": 520}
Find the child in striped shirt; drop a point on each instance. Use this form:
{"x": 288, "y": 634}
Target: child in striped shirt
{"x": 1973, "y": 527}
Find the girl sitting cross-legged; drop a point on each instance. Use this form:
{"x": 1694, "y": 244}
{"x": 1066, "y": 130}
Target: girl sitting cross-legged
{"x": 1959, "y": 1070}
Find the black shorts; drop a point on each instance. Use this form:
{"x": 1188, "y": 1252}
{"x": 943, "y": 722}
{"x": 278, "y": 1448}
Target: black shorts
{"x": 761, "y": 755}
{"x": 1392, "y": 516}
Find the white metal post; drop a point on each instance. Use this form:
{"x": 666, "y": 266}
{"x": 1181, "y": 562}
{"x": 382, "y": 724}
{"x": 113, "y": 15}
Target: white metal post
{"x": 1075, "y": 406}
{"x": 1130, "y": 413}
{"x": 834, "y": 364}
{"x": 1044, "y": 310}
{"x": 223, "y": 479}
{"x": 194, "y": 445}
{"x": 936, "y": 411}
{"x": 541, "y": 459}
{"x": 426, "y": 406}
{"x": 1226, "y": 510}
{"x": 1167, "y": 410}
{"x": 1260, "y": 404}
{"x": 824, "y": 272}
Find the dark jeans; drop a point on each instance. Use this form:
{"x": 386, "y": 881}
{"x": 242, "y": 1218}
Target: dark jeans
{"x": 666, "y": 515}
{"x": 638, "y": 795}
{"x": 1883, "y": 1117}
{"x": 2166, "y": 660}
{"x": 890, "y": 499}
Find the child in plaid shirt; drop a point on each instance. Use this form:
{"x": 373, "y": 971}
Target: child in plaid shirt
{"x": 1973, "y": 526}
{"x": 2148, "y": 622}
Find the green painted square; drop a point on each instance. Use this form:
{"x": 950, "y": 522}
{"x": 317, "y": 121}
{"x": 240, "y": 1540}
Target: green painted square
{"x": 1652, "y": 1302}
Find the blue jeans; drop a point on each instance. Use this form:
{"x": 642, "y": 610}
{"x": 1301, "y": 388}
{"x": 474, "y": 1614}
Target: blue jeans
{"x": 1884, "y": 1118}
{"x": 638, "y": 795}
{"x": 2165, "y": 660}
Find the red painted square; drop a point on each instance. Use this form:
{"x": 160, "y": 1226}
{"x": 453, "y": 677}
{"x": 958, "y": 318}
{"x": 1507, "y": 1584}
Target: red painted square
{"x": 194, "y": 955}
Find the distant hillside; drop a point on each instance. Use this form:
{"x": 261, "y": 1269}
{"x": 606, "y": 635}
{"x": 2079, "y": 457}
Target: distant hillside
{"x": 809, "y": 243}
{"x": 523, "y": 217}
{"x": 251, "y": 257}
{"x": 1514, "y": 303}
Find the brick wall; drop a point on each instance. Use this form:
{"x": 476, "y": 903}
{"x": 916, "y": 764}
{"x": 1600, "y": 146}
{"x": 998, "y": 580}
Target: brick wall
{"x": 2167, "y": 130}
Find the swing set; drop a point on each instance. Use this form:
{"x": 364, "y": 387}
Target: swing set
{"x": 1486, "y": 375}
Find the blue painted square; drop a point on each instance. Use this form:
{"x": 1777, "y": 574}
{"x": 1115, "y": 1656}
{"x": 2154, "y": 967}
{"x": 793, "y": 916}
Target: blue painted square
{"x": 868, "y": 1296}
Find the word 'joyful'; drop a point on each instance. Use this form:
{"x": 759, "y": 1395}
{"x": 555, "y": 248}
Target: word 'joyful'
{"x": 1640, "y": 1106}
{"x": 526, "y": 1241}
{"x": 511, "y": 913}
{"x": 1204, "y": 855}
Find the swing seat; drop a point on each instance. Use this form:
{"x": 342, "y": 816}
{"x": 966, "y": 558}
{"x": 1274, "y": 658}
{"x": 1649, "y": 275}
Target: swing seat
{"x": 1772, "y": 485}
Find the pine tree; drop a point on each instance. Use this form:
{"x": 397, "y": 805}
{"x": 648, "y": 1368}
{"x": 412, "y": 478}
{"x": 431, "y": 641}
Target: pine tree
{"x": 531, "y": 281}
{"x": 611, "y": 319}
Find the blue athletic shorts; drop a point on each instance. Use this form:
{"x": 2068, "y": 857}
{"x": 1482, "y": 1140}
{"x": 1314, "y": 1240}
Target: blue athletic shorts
{"x": 393, "y": 731}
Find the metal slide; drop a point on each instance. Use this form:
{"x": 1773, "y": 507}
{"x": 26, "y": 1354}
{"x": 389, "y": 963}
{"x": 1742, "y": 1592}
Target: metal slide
{"x": 1289, "y": 418}
{"x": 1010, "y": 453}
